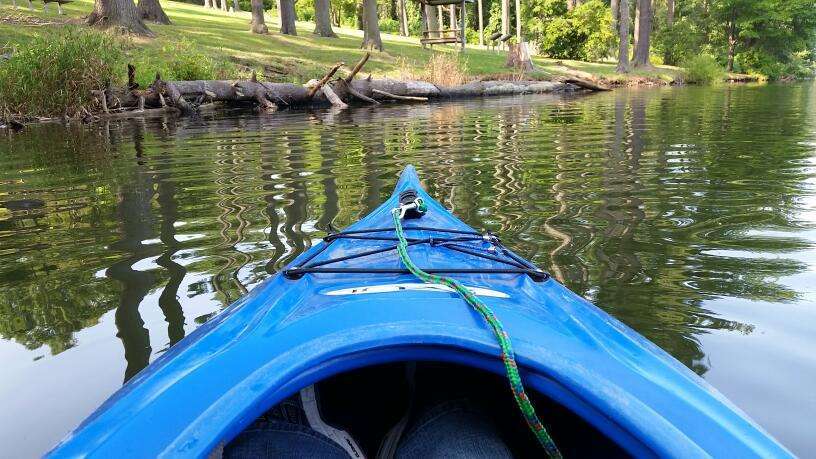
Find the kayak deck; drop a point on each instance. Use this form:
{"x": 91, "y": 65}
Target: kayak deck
{"x": 298, "y": 328}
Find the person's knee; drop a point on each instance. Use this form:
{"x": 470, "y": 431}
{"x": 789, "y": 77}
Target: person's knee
{"x": 453, "y": 430}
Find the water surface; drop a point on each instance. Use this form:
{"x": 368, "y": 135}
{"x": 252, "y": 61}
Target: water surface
{"x": 689, "y": 214}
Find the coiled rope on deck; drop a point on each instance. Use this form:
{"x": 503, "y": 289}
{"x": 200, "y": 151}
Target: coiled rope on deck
{"x": 508, "y": 356}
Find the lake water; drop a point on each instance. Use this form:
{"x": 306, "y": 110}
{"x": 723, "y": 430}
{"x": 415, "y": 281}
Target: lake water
{"x": 687, "y": 213}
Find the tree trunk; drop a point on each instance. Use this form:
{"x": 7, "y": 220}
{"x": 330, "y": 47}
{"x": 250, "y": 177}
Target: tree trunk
{"x": 323, "y": 25}
{"x": 360, "y": 20}
{"x": 223, "y": 5}
{"x": 636, "y": 7}
{"x": 505, "y": 19}
{"x": 286, "y": 10}
{"x": 121, "y": 14}
{"x": 480, "y": 13}
{"x": 371, "y": 26}
{"x": 669, "y": 13}
{"x": 644, "y": 34}
{"x": 732, "y": 41}
{"x": 518, "y": 22}
{"x": 151, "y": 10}
{"x": 235, "y": 6}
{"x": 614, "y": 5}
{"x": 432, "y": 21}
{"x": 402, "y": 12}
{"x": 208, "y": 3}
{"x": 623, "y": 36}
{"x": 258, "y": 24}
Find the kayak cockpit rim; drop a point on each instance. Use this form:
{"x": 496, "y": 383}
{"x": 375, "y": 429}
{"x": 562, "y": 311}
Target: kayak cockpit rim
{"x": 541, "y": 383}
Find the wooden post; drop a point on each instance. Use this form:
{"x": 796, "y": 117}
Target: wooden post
{"x": 452, "y": 16}
{"x": 481, "y": 22}
{"x": 440, "y": 13}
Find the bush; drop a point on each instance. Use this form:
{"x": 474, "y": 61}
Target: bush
{"x": 55, "y": 72}
{"x": 773, "y": 67}
{"x": 585, "y": 33}
{"x": 178, "y": 61}
{"x": 678, "y": 43}
{"x": 703, "y": 69}
{"x": 389, "y": 25}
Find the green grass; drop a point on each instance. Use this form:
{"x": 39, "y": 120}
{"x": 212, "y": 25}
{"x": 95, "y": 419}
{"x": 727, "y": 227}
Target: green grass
{"x": 221, "y": 37}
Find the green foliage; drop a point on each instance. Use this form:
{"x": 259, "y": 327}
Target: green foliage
{"x": 771, "y": 37}
{"x": 679, "y": 42}
{"x": 389, "y": 25}
{"x": 178, "y": 61}
{"x": 305, "y": 10}
{"x": 584, "y": 33}
{"x": 55, "y": 73}
{"x": 703, "y": 69}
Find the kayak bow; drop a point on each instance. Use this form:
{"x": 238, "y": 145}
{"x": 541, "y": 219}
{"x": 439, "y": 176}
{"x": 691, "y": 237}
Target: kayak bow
{"x": 332, "y": 310}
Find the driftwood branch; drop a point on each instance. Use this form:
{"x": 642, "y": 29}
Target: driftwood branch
{"x": 388, "y": 95}
{"x": 333, "y": 98}
{"x": 355, "y": 93}
{"x": 585, "y": 83}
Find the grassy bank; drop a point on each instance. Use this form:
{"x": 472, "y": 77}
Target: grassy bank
{"x": 220, "y": 44}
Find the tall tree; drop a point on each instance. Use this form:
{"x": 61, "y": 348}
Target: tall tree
{"x": 669, "y": 13}
{"x": 614, "y": 5}
{"x": 371, "y": 26}
{"x": 323, "y": 25}
{"x": 258, "y": 24}
{"x": 286, "y": 10}
{"x": 480, "y": 15}
{"x": 623, "y": 36}
{"x": 732, "y": 39}
{"x": 121, "y": 14}
{"x": 223, "y": 5}
{"x": 235, "y": 6}
{"x": 505, "y": 17}
{"x": 644, "y": 30}
{"x": 151, "y": 10}
{"x": 402, "y": 12}
{"x": 208, "y": 3}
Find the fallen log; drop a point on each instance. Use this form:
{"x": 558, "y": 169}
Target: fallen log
{"x": 585, "y": 84}
{"x": 186, "y": 97}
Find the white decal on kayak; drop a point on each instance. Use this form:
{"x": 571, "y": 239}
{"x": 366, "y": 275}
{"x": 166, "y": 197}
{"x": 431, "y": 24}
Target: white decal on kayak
{"x": 366, "y": 289}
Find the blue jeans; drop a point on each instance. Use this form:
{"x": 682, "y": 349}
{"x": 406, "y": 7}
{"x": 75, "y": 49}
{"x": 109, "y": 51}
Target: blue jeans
{"x": 452, "y": 429}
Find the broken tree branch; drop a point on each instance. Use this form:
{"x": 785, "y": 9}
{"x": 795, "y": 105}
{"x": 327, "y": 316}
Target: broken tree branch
{"x": 358, "y": 67}
{"x": 313, "y": 90}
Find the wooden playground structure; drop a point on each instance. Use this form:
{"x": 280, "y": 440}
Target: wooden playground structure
{"x": 434, "y": 31}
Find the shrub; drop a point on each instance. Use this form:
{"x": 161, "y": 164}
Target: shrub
{"x": 389, "y": 25}
{"x": 679, "y": 42}
{"x": 585, "y": 33}
{"x": 702, "y": 69}
{"x": 55, "y": 72}
{"x": 178, "y": 61}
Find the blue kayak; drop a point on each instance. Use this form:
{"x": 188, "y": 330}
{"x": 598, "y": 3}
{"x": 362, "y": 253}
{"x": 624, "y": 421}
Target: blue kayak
{"x": 349, "y": 303}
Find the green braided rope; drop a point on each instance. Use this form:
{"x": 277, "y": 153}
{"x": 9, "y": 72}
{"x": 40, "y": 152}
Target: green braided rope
{"x": 508, "y": 356}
